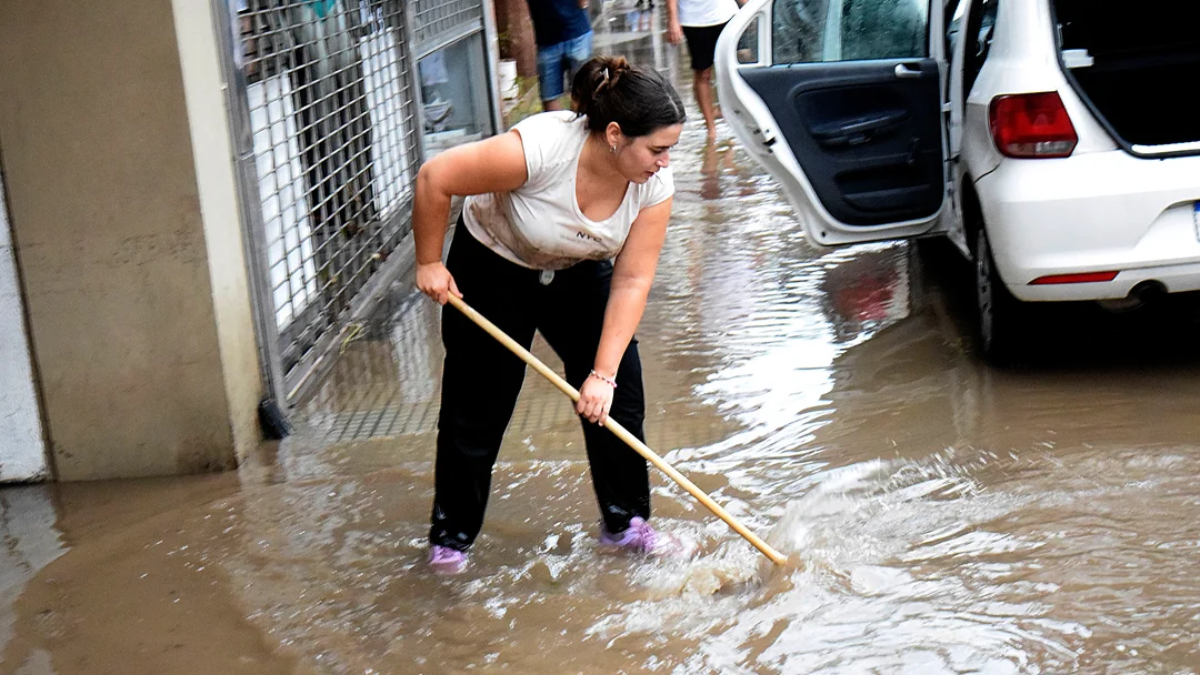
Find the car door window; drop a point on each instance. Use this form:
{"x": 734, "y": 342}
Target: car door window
{"x": 747, "y": 51}
{"x": 823, "y": 31}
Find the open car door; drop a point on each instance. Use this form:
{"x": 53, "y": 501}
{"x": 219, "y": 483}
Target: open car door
{"x": 841, "y": 101}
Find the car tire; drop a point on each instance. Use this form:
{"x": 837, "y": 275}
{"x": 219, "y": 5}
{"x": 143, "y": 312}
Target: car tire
{"x": 998, "y": 310}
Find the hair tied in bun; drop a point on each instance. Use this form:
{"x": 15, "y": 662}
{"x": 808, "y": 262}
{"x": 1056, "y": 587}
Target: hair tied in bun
{"x": 609, "y": 89}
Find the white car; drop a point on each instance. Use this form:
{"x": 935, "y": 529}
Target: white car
{"x": 1055, "y": 142}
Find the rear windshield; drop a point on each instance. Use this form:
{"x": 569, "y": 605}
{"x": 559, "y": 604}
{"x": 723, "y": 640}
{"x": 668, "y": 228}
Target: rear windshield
{"x": 1131, "y": 27}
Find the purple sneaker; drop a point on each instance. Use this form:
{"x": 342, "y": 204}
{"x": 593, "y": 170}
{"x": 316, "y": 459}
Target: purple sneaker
{"x": 446, "y": 560}
{"x": 641, "y": 538}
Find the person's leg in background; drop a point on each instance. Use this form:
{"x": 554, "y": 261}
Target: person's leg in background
{"x": 702, "y": 46}
{"x": 702, "y": 83}
{"x": 576, "y": 52}
{"x": 550, "y": 75}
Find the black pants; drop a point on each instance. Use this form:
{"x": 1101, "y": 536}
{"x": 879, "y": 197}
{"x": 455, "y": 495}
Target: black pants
{"x": 702, "y": 44}
{"x": 481, "y": 381}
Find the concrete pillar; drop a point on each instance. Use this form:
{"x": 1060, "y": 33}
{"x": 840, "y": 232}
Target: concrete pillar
{"x": 114, "y": 140}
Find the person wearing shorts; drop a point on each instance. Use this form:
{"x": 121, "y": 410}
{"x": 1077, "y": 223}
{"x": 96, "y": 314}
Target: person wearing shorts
{"x": 700, "y": 22}
{"x": 563, "y": 32}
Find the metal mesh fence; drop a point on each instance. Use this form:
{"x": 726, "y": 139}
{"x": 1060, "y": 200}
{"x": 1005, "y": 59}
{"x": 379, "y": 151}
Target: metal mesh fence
{"x": 436, "y": 18}
{"x": 335, "y": 143}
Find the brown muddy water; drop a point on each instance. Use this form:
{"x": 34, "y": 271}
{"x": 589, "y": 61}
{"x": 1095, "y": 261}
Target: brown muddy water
{"x": 946, "y": 517}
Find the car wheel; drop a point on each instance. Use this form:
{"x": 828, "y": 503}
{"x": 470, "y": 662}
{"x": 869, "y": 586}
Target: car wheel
{"x": 998, "y": 309}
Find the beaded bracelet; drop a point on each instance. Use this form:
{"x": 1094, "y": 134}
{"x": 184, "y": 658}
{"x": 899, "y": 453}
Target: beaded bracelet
{"x": 607, "y": 380}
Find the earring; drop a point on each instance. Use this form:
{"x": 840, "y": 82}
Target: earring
{"x": 612, "y": 149}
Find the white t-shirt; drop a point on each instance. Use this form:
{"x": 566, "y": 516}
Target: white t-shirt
{"x": 696, "y": 13}
{"x": 539, "y": 225}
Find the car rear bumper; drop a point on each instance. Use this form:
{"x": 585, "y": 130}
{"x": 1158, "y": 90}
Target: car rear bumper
{"x": 1094, "y": 212}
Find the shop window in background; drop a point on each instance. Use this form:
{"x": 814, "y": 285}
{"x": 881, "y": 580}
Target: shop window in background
{"x": 455, "y": 94}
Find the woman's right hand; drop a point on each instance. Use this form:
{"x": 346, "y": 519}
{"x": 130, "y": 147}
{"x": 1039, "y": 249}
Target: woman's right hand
{"x": 674, "y": 32}
{"x": 436, "y": 281}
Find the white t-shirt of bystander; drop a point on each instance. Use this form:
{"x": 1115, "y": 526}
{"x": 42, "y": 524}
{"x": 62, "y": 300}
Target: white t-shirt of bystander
{"x": 540, "y": 225}
{"x": 698, "y": 13}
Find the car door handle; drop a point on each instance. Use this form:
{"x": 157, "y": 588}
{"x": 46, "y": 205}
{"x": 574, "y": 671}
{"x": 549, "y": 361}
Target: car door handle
{"x": 858, "y": 129}
{"x": 906, "y": 72}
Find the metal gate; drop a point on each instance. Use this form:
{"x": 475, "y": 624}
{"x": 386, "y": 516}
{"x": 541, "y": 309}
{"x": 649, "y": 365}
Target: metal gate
{"x": 328, "y": 128}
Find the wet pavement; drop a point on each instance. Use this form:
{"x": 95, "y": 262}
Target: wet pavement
{"x": 943, "y": 516}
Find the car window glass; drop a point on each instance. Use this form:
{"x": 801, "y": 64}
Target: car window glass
{"x": 747, "y": 51}
{"x": 815, "y": 31}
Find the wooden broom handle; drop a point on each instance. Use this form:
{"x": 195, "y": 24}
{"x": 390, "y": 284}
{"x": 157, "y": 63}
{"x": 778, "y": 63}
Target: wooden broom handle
{"x": 620, "y": 431}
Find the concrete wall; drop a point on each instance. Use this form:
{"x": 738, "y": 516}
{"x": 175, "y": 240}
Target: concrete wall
{"x": 22, "y": 450}
{"x": 134, "y": 277}
{"x": 212, "y": 145}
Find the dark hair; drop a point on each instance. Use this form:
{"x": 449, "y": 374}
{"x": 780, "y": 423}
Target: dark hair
{"x": 640, "y": 100}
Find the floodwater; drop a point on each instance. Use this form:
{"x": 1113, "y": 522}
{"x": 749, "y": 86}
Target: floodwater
{"x": 942, "y": 516}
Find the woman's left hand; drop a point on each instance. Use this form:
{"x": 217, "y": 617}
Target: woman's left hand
{"x": 595, "y": 399}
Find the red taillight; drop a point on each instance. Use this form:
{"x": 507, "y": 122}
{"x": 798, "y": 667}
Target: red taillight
{"x": 1032, "y": 125}
{"x": 1080, "y": 278}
